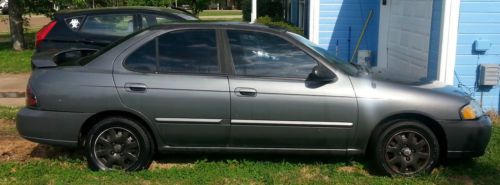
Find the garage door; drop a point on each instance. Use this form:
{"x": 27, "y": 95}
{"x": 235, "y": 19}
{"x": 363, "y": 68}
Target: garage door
{"x": 408, "y": 31}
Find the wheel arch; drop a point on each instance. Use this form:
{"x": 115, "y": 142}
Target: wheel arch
{"x": 427, "y": 121}
{"x": 91, "y": 121}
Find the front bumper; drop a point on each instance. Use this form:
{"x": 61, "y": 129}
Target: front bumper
{"x": 467, "y": 138}
{"x": 50, "y": 127}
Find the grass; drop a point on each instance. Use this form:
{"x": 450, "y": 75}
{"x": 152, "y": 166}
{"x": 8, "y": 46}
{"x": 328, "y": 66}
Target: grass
{"x": 70, "y": 168}
{"x": 8, "y": 113}
{"x": 221, "y": 13}
{"x": 15, "y": 61}
{"x": 216, "y": 19}
{"x": 213, "y": 169}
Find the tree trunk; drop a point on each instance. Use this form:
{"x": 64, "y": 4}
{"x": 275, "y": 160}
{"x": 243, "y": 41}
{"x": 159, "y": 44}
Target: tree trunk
{"x": 16, "y": 25}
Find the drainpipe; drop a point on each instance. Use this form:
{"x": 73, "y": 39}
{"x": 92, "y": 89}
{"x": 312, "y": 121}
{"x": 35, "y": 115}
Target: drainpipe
{"x": 254, "y": 11}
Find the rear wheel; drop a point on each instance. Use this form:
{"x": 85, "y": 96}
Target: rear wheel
{"x": 406, "y": 148}
{"x": 118, "y": 143}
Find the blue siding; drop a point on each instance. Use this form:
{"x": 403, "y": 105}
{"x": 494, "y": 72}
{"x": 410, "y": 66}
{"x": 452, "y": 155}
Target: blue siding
{"x": 336, "y": 16}
{"x": 478, "y": 20}
{"x": 294, "y": 12}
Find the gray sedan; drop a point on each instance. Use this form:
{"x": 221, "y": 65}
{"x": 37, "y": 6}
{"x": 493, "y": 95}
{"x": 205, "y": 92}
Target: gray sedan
{"x": 240, "y": 88}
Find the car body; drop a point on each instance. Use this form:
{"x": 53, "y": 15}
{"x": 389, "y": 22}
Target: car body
{"x": 96, "y": 28}
{"x": 239, "y": 87}
{"x": 4, "y": 6}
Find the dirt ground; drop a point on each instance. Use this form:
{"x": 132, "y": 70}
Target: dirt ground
{"x": 15, "y": 148}
{"x": 36, "y": 22}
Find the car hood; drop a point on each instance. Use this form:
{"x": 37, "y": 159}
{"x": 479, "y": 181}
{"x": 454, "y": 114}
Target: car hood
{"x": 434, "y": 99}
{"x": 420, "y": 86}
{"x": 442, "y": 88}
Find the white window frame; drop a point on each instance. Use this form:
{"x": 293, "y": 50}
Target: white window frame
{"x": 448, "y": 44}
{"x": 314, "y": 21}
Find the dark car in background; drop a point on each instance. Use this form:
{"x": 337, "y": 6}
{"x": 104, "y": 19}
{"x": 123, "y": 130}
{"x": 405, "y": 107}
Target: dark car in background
{"x": 241, "y": 88}
{"x": 96, "y": 28}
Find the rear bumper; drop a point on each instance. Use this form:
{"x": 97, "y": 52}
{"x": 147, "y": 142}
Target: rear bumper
{"x": 50, "y": 127}
{"x": 467, "y": 138}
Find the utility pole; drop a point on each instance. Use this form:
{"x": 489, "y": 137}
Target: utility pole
{"x": 254, "y": 11}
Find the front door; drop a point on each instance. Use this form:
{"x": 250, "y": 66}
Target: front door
{"x": 405, "y": 31}
{"x": 176, "y": 81}
{"x": 275, "y": 105}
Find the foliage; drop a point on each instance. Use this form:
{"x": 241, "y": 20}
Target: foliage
{"x": 15, "y": 61}
{"x": 8, "y": 113}
{"x": 220, "y": 13}
{"x": 157, "y": 3}
{"x": 272, "y": 9}
{"x": 246, "y": 10}
{"x": 266, "y": 20}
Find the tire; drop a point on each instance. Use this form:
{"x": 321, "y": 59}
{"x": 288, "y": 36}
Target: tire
{"x": 118, "y": 143}
{"x": 406, "y": 148}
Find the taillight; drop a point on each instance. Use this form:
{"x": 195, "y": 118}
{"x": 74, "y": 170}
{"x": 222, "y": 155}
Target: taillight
{"x": 40, "y": 35}
{"x": 30, "y": 98}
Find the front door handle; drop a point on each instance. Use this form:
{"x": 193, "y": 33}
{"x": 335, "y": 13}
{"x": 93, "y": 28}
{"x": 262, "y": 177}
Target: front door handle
{"x": 136, "y": 87}
{"x": 243, "y": 91}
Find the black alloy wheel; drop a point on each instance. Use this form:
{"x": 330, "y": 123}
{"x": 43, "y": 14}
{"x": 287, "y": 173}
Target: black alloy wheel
{"x": 118, "y": 143}
{"x": 406, "y": 148}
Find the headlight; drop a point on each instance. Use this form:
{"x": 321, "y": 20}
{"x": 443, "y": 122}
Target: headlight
{"x": 471, "y": 111}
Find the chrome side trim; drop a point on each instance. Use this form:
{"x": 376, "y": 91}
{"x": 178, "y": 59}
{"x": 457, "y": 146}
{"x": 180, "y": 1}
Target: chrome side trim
{"x": 304, "y": 123}
{"x": 188, "y": 120}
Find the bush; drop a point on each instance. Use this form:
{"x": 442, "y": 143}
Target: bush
{"x": 493, "y": 116}
{"x": 266, "y": 20}
{"x": 246, "y": 10}
{"x": 272, "y": 9}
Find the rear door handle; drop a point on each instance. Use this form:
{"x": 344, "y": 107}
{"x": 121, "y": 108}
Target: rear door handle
{"x": 136, "y": 87}
{"x": 243, "y": 91}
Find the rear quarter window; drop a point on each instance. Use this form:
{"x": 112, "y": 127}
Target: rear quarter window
{"x": 74, "y": 23}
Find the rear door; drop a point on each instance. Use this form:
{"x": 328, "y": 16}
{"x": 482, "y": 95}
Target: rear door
{"x": 176, "y": 80}
{"x": 275, "y": 105}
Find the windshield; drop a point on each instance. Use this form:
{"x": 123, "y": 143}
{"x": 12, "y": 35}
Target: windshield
{"x": 347, "y": 67}
{"x": 85, "y": 60}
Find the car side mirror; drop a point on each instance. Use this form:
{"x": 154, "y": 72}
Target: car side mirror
{"x": 322, "y": 74}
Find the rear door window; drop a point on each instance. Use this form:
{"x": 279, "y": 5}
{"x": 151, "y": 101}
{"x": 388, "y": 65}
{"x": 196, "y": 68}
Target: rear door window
{"x": 143, "y": 60}
{"x": 109, "y": 24}
{"x": 188, "y": 51}
{"x": 183, "y": 51}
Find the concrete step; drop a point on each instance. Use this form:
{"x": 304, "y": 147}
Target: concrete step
{"x": 13, "y": 82}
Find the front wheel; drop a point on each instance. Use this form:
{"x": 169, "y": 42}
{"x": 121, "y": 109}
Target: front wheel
{"x": 406, "y": 148}
{"x": 118, "y": 143}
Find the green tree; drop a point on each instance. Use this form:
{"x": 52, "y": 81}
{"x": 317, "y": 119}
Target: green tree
{"x": 199, "y": 5}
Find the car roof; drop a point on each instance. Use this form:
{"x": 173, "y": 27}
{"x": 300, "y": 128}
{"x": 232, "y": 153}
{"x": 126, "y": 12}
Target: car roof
{"x": 229, "y": 25}
{"x": 118, "y": 10}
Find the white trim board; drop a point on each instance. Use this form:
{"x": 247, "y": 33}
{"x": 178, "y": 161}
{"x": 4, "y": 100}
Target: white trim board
{"x": 448, "y": 43}
{"x": 314, "y": 21}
